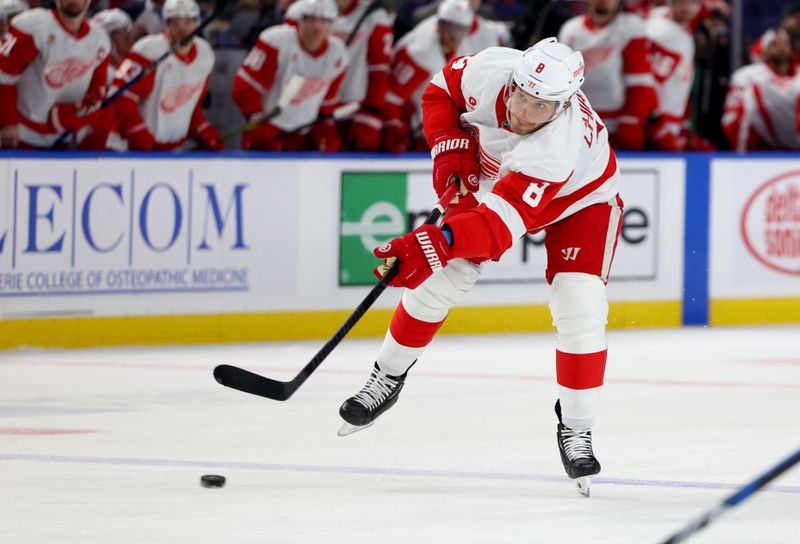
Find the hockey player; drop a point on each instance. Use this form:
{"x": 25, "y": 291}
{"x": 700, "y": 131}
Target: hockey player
{"x": 119, "y": 27}
{"x": 367, "y": 77}
{"x": 280, "y": 53}
{"x": 9, "y": 9}
{"x": 761, "y": 105}
{"x": 515, "y": 126}
{"x": 619, "y": 79}
{"x": 672, "y": 58}
{"x": 483, "y": 33}
{"x": 164, "y": 108}
{"x": 52, "y": 74}
{"x": 417, "y": 57}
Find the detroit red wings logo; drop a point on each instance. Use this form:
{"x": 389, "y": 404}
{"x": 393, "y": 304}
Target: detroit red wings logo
{"x": 594, "y": 56}
{"x": 61, "y": 73}
{"x": 311, "y": 86}
{"x": 175, "y": 97}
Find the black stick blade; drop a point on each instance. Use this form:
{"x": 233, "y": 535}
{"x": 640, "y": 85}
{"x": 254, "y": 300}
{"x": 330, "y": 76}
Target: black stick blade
{"x": 255, "y": 384}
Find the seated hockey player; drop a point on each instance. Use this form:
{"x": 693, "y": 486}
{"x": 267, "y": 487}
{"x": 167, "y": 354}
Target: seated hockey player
{"x": 515, "y": 127}
{"x": 164, "y": 107}
{"x": 307, "y": 49}
{"x": 417, "y": 57}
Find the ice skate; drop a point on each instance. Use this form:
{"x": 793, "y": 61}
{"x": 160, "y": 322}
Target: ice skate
{"x": 576, "y": 454}
{"x": 378, "y": 395}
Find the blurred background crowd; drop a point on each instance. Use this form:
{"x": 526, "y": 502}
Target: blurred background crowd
{"x": 348, "y": 75}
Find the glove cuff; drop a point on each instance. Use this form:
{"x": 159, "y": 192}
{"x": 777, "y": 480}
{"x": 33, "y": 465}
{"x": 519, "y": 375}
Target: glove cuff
{"x": 452, "y": 140}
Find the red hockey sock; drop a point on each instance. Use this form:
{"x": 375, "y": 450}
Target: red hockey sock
{"x": 410, "y": 331}
{"x": 580, "y": 371}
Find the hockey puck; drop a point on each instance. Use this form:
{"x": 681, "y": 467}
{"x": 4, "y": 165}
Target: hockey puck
{"x": 212, "y": 480}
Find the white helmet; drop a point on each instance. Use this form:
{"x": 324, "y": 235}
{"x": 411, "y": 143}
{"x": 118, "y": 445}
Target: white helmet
{"x": 551, "y": 71}
{"x": 180, "y": 8}
{"x": 113, "y": 19}
{"x": 457, "y": 12}
{"x": 9, "y": 8}
{"x": 324, "y": 9}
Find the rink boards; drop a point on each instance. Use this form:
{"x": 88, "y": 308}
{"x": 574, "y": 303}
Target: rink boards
{"x": 132, "y": 249}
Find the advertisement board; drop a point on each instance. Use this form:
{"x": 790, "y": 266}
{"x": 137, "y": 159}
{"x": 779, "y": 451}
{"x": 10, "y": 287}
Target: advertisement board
{"x": 755, "y": 240}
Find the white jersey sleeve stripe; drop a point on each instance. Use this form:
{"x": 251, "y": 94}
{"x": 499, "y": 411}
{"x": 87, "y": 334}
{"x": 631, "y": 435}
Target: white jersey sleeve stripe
{"x": 643, "y": 80}
{"x": 439, "y": 81}
{"x": 507, "y": 213}
{"x": 252, "y": 82}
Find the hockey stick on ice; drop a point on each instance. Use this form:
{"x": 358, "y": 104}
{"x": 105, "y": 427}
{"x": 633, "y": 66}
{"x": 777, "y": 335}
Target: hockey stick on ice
{"x": 255, "y": 384}
{"x": 288, "y": 93}
{"x": 740, "y": 496}
{"x": 219, "y": 6}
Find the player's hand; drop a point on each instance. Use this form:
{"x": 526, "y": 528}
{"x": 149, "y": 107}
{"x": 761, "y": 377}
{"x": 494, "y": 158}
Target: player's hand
{"x": 455, "y": 160}
{"x": 9, "y": 136}
{"x": 263, "y": 138}
{"x": 365, "y": 132}
{"x": 420, "y": 252}
{"x": 629, "y": 135}
{"x": 396, "y": 137}
{"x": 71, "y": 117}
{"x": 141, "y": 140}
{"x": 208, "y": 138}
{"x": 325, "y": 137}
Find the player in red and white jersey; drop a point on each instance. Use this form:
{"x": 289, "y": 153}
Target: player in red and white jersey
{"x": 761, "y": 108}
{"x": 416, "y": 58}
{"x": 672, "y": 59}
{"x": 8, "y": 10}
{"x": 368, "y": 74}
{"x": 514, "y": 127}
{"x": 280, "y": 53}
{"x": 164, "y": 108}
{"x": 483, "y": 33}
{"x": 619, "y": 79}
{"x": 53, "y": 68}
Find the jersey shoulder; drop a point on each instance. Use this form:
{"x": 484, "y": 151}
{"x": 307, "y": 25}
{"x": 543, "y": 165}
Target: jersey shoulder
{"x": 28, "y": 22}
{"x": 632, "y": 24}
{"x": 752, "y": 73}
{"x": 279, "y": 36}
{"x": 570, "y": 28}
{"x": 151, "y": 47}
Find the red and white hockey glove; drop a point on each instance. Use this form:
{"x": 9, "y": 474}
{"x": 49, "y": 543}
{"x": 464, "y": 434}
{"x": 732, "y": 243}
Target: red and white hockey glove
{"x": 420, "y": 252}
{"x": 455, "y": 158}
{"x": 629, "y": 135}
{"x": 70, "y": 117}
{"x": 325, "y": 138}
{"x": 365, "y": 132}
{"x": 208, "y": 138}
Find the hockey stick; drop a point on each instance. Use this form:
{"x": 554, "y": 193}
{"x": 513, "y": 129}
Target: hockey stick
{"x": 740, "y": 496}
{"x": 342, "y": 112}
{"x": 219, "y": 6}
{"x": 288, "y": 93}
{"x": 255, "y": 384}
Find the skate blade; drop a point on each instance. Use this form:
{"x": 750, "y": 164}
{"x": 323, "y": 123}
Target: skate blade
{"x": 347, "y": 428}
{"x": 584, "y": 484}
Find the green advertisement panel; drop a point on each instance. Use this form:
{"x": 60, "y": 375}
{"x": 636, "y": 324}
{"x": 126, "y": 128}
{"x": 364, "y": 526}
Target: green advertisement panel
{"x": 373, "y": 211}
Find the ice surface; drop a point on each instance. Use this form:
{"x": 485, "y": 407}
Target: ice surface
{"x": 108, "y": 446}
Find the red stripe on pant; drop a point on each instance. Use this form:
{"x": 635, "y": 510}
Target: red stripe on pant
{"x": 410, "y": 331}
{"x": 580, "y": 371}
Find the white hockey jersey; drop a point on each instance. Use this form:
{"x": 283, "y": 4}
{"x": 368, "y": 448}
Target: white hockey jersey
{"x": 672, "y": 61}
{"x": 276, "y": 57}
{"x": 569, "y": 157}
{"x": 369, "y": 52}
{"x": 617, "y": 61}
{"x": 43, "y": 64}
{"x": 761, "y": 109}
{"x": 169, "y": 96}
{"x": 484, "y": 33}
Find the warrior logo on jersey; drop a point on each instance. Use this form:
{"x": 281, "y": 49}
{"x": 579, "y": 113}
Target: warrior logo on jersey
{"x": 176, "y": 97}
{"x": 64, "y": 72}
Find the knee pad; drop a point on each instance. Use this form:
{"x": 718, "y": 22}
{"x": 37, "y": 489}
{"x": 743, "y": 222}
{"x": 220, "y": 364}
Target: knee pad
{"x": 579, "y": 309}
{"x": 433, "y": 299}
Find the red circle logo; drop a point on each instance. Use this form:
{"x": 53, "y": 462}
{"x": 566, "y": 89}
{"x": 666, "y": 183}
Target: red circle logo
{"x": 770, "y": 223}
